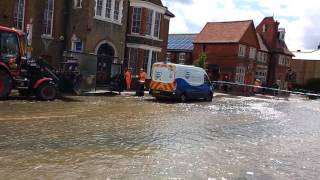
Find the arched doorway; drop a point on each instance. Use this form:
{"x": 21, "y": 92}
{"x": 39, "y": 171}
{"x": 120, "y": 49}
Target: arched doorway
{"x": 106, "y": 55}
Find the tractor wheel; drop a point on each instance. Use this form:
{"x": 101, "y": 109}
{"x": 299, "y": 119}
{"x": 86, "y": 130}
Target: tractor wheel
{"x": 46, "y": 92}
{"x": 5, "y": 85}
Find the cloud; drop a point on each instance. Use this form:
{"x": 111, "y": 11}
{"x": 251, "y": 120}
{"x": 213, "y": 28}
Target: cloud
{"x": 300, "y": 18}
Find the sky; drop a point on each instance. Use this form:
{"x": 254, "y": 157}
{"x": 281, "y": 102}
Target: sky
{"x": 301, "y": 19}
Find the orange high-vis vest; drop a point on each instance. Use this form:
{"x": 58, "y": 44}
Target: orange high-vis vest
{"x": 128, "y": 76}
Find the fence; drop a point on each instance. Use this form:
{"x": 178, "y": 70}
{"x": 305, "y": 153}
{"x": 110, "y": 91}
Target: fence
{"x": 266, "y": 90}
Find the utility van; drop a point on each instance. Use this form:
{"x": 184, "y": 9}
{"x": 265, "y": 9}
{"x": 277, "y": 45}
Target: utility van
{"x": 180, "y": 82}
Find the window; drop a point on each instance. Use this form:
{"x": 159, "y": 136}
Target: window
{"x": 259, "y": 56}
{"x": 48, "y": 18}
{"x": 116, "y": 10}
{"x": 146, "y": 60}
{"x": 264, "y": 28}
{"x": 19, "y": 14}
{"x": 136, "y": 20}
{"x": 168, "y": 56}
{"x": 282, "y": 60}
{"x": 182, "y": 58}
{"x": 77, "y": 4}
{"x": 261, "y": 75}
{"x": 99, "y": 7}
{"x": 149, "y": 22}
{"x": 133, "y": 60}
{"x": 109, "y": 10}
{"x": 240, "y": 73}
{"x": 262, "y": 57}
{"x": 77, "y": 45}
{"x": 252, "y": 54}
{"x": 9, "y": 48}
{"x": 154, "y": 59}
{"x": 242, "y": 51}
{"x": 207, "y": 80}
{"x": 157, "y": 25}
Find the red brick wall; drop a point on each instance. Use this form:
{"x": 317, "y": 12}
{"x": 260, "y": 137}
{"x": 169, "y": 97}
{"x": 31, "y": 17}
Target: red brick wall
{"x": 174, "y": 57}
{"x": 164, "y": 34}
{"x": 250, "y": 37}
{"x": 164, "y": 30}
{"x": 129, "y": 25}
{"x": 271, "y": 34}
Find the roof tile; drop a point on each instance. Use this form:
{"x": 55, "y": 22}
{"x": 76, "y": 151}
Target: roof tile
{"x": 223, "y": 32}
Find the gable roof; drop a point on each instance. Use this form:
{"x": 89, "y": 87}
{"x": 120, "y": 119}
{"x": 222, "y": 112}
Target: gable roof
{"x": 181, "y": 42}
{"x": 263, "y": 46}
{"x": 223, "y": 32}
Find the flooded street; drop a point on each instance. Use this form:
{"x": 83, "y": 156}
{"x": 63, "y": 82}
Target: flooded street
{"x": 241, "y": 138}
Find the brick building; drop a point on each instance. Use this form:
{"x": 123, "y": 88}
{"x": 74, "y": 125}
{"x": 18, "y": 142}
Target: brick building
{"x": 44, "y": 21}
{"x": 99, "y": 27}
{"x": 263, "y": 60}
{"x": 306, "y": 65}
{"x": 231, "y": 49}
{"x": 180, "y": 48}
{"x": 131, "y": 32}
{"x": 147, "y": 34}
{"x": 280, "y": 56}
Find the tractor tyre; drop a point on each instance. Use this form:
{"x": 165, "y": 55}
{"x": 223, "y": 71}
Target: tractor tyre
{"x": 47, "y": 92}
{"x": 5, "y": 85}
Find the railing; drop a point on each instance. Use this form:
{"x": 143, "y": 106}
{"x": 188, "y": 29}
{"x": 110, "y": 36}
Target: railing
{"x": 275, "y": 91}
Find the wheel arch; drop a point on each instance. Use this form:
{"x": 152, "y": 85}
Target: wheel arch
{"x": 42, "y": 81}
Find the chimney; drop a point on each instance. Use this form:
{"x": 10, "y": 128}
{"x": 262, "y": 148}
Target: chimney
{"x": 282, "y": 34}
{"x": 319, "y": 46}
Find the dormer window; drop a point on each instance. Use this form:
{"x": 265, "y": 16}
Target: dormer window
{"x": 282, "y": 33}
{"x": 77, "y": 4}
{"x": 264, "y": 28}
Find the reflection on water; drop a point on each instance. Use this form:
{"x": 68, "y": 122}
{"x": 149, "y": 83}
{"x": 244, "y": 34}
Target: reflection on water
{"x": 138, "y": 138}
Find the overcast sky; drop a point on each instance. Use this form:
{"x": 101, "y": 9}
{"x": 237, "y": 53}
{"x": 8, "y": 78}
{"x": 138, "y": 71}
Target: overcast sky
{"x": 300, "y": 18}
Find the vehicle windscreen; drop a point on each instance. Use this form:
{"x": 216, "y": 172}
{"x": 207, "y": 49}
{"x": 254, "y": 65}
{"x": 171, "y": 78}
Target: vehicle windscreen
{"x": 9, "y": 47}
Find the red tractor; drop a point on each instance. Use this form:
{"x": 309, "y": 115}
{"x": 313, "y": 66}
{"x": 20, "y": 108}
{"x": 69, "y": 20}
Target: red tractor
{"x": 28, "y": 76}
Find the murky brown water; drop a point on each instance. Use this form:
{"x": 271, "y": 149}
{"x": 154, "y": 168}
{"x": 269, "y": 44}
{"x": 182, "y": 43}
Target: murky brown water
{"x": 133, "y": 138}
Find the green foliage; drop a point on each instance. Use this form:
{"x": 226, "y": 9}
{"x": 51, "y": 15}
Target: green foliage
{"x": 201, "y": 61}
{"x": 313, "y": 84}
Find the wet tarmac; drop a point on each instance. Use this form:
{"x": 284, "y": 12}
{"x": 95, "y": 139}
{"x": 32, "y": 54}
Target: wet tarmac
{"x": 241, "y": 138}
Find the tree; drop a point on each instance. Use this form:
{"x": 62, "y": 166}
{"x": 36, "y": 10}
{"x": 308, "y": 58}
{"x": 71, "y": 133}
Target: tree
{"x": 201, "y": 61}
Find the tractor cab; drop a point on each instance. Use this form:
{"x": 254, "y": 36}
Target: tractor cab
{"x": 28, "y": 76}
{"x": 12, "y": 48}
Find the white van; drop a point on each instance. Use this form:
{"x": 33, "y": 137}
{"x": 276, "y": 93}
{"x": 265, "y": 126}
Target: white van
{"x": 180, "y": 82}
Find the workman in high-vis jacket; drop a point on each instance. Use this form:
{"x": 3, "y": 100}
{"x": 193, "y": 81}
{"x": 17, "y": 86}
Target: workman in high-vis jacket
{"x": 142, "y": 82}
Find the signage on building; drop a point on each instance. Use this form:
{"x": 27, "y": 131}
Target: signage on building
{"x": 29, "y": 39}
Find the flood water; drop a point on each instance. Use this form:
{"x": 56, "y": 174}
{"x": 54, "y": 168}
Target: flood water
{"x": 241, "y": 138}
